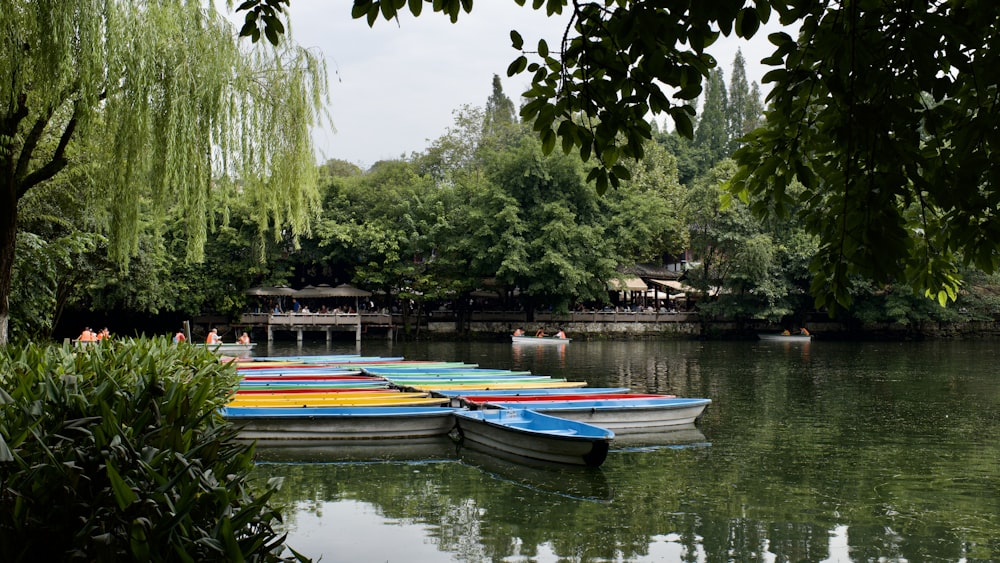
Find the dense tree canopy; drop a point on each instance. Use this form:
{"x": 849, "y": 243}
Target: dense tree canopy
{"x": 885, "y": 112}
{"x": 161, "y": 109}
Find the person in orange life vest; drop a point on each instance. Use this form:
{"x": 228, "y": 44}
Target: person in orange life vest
{"x": 104, "y": 334}
{"x": 803, "y": 331}
{"x": 561, "y": 334}
{"x": 243, "y": 339}
{"x": 213, "y": 337}
{"x": 519, "y": 331}
{"x": 179, "y": 337}
{"x": 87, "y": 335}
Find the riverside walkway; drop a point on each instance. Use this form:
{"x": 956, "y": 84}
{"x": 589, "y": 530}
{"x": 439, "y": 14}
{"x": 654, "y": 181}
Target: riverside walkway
{"x": 447, "y": 321}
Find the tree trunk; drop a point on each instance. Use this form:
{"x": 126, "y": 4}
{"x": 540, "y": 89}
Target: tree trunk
{"x": 8, "y": 239}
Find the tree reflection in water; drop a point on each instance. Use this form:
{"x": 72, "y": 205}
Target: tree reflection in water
{"x": 847, "y": 452}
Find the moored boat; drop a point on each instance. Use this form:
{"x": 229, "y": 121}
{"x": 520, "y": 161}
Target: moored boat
{"x": 784, "y": 337}
{"x": 530, "y": 392}
{"x": 620, "y": 415}
{"x": 528, "y": 398}
{"x": 548, "y": 384}
{"x": 340, "y": 423}
{"x": 534, "y": 435}
{"x": 231, "y": 348}
{"x": 539, "y": 340}
{"x": 332, "y": 400}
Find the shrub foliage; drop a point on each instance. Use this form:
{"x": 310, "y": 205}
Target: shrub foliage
{"x": 117, "y": 452}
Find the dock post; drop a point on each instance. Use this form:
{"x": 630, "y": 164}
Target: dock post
{"x": 357, "y": 331}
{"x": 329, "y": 335}
{"x": 298, "y": 335}
{"x": 270, "y": 334}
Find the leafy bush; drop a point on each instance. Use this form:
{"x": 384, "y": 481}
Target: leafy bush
{"x": 117, "y": 452}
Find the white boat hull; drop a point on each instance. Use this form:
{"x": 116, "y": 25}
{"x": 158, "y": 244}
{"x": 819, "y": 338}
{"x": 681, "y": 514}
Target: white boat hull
{"x": 537, "y": 340}
{"x": 641, "y": 419}
{"x": 349, "y": 423}
{"x": 785, "y": 337}
{"x": 231, "y": 349}
{"x": 622, "y": 416}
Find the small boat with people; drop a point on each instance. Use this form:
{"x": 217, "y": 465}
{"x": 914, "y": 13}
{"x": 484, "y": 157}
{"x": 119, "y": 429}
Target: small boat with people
{"x": 801, "y": 335}
{"x": 539, "y": 340}
{"x": 534, "y": 435}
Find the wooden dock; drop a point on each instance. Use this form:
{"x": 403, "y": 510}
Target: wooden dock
{"x": 317, "y": 322}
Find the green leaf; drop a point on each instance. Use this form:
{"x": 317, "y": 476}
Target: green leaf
{"x": 548, "y": 141}
{"x": 416, "y": 7}
{"x": 516, "y": 40}
{"x": 124, "y": 495}
{"x": 543, "y": 48}
{"x": 517, "y": 66}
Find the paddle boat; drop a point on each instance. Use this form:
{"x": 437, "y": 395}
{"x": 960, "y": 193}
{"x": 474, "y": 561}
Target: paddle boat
{"x": 308, "y": 389}
{"x": 534, "y": 435}
{"x": 539, "y": 340}
{"x": 306, "y": 401}
{"x": 230, "y": 348}
{"x": 339, "y": 423}
{"x": 373, "y": 384}
{"x": 771, "y": 337}
{"x": 468, "y": 380}
{"x": 619, "y": 415}
{"x": 549, "y": 384}
{"x": 476, "y": 401}
{"x": 529, "y": 392}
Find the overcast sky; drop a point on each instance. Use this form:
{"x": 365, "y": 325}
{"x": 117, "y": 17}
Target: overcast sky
{"x": 394, "y": 87}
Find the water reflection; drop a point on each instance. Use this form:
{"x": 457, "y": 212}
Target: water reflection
{"x": 842, "y": 452}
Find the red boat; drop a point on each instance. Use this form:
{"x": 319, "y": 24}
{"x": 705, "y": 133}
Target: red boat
{"x": 480, "y": 399}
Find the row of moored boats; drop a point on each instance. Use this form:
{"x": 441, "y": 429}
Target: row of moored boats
{"x": 313, "y": 398}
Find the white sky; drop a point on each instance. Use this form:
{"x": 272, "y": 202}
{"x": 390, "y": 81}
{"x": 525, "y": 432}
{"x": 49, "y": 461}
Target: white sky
{"x": 394, "y": 87}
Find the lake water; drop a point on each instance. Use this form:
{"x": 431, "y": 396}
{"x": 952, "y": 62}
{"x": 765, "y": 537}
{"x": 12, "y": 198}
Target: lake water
{"x": 824, "y": 451}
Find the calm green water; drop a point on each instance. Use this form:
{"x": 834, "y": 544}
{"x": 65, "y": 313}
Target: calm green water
{"x": 810, "y": 452}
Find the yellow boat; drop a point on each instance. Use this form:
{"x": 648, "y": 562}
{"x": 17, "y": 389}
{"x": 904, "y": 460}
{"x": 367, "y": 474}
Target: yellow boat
{"x": 340, "y": 402}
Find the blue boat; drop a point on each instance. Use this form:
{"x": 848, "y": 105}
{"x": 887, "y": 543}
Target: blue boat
{"x": 621, "y": 415}
{"x": 533, "y": 435}
{"x": 339, "y": 423}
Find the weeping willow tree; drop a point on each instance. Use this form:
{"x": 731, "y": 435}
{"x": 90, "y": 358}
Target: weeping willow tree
{"x": 171, "y": 110}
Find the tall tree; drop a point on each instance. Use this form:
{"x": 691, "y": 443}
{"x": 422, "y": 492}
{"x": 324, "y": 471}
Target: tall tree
{"x": 712, "y": 134}
{"x": 745, "y": 111}
{"x": 167, "y": 106}
{"x": 499, "y": 109}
